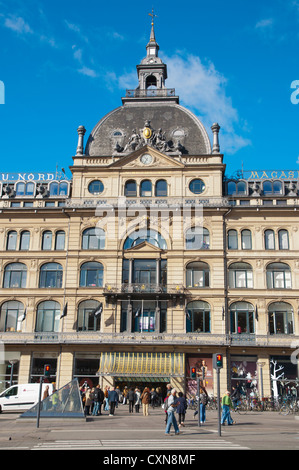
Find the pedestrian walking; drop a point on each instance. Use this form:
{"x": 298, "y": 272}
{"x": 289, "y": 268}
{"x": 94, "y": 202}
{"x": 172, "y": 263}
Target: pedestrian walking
{"x": 131, "y": 399}
{"x": 166, "y": 405}
{"x": 145, "y": 400}
{"x": 106, "y": 401}
{"x": 98, "y": 399}
{"x": 154, "y": 397}
{"x": 112, "y": 398}
{"x": 181, "y": 409}
{"x": 45, "y": 395}
{"x": 172, "y": 403}
{"x": 125, "y": 394}
{"x": 137, "y": 400}
{"x": 88, "y": 401}
{"x": 227, "y": 405}
{"x": 203, "y": 400}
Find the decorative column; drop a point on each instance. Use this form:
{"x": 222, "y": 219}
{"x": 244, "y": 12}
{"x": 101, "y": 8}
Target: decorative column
{"x": 129, "y": 316}
{"x": 81, "y": 132}
{"x": 157, "y": 316}
{"x": 216, "y": 147}
{"x": 130, "y": 272}
{"x": 158, "y": 272}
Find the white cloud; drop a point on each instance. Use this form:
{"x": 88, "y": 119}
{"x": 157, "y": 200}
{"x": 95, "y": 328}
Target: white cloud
{"x": 76, "y": 29}
{"x": 203, "y": 90}
{"x": 264, "y": 24}
{"x": 88, "y": 72}
{"x": 18, "y": 24}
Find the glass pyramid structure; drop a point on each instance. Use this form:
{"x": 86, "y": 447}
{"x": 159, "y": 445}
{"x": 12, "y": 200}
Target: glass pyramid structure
{"x": 63, "y": 403}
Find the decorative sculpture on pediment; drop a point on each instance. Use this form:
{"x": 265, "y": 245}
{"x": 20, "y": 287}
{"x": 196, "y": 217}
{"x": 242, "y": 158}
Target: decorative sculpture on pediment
{"x": 149, "y": 136}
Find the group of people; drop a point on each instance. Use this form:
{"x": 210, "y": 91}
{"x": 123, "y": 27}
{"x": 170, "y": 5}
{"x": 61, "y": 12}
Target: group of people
{"x": 95, "y": 399}
{"x": 177, "y": 402}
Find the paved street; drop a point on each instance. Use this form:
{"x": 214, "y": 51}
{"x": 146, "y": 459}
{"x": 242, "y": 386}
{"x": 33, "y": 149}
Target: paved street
{"x": 129, "y": 432}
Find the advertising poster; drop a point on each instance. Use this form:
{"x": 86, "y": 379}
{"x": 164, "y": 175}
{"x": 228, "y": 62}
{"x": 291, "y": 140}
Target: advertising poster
{"x": 199, "y": 363}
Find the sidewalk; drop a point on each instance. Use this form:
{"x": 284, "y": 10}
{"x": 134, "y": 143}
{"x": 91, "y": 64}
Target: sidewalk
{"x": 267, "y": 430}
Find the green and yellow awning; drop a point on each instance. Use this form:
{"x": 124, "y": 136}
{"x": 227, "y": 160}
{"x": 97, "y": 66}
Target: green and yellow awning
{"x": 135, "y": 364}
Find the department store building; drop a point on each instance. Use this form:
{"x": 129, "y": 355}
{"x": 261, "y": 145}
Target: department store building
{"x": 150, "y": 259}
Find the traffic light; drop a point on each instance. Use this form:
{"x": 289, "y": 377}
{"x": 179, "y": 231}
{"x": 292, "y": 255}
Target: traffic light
{"x": 193, "y": 373}
{"x": 218, "y": 361}
{"x": 47, "y": 370}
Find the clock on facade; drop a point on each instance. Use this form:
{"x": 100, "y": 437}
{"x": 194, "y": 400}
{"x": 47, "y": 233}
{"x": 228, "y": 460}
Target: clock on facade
{"x": 146, "y": 159}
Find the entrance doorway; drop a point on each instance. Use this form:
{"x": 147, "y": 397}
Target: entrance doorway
{"x": 141, "y": 383}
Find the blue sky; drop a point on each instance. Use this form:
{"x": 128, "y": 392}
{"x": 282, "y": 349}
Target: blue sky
{"x": 66, "y": 63}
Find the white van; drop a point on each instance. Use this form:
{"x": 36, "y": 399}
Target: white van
{"x": 22, "y": 397}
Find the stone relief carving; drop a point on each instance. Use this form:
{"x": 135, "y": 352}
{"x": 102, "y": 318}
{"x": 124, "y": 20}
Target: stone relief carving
{"x": 148, "y": 136}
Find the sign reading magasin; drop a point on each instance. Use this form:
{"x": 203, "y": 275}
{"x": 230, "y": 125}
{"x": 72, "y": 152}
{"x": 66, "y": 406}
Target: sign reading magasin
{"x": 270, "y": 174}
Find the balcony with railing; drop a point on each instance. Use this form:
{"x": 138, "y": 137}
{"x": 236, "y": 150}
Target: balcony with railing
{"x": 143, "y": 289}
{"x": 151, "y": 93}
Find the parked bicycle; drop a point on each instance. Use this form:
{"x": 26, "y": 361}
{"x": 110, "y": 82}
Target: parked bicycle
{"x": 290, "y": 406}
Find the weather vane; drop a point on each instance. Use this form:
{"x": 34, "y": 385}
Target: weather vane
{"x": 153, "y": 16}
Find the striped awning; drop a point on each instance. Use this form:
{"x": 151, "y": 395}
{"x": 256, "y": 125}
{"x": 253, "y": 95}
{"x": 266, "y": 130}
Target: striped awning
{"x": 135, "y": 364}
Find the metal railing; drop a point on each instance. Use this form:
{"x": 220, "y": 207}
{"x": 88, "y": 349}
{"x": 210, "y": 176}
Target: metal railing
{"x": 140, "y": 288}
{"x": 149, "y": 93}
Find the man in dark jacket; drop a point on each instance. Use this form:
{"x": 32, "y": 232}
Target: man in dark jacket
{"x": 113, "y": 399}
{"x": 131, "y": 398}
{"x": 98, "y": 401}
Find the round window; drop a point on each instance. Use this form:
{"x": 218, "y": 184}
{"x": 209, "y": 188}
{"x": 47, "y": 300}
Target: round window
{"x": 96, "y": 187}
{"x": 197, "y": 186}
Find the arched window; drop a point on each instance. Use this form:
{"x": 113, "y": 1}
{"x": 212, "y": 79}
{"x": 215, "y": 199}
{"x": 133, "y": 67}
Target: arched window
{"x": 151, "y": 81}
{"x": 91, "y": 274}
{"x": 146, "y": 188}
{"x": 198, "y": 274}
{"x": 15, "y": 275}
{"x": 131, "y": 188}
{"x": 87, "y": 320}
{"x": 242, "y": 318}
{"x": 281, "y": 318}
{"x": 283, "y": 239}
{"x": 93, "y": 239}
{"x": 60, "y": 240}
{"x": 11, "y": 316}
{"x": 241, "y": 188}
{"x": 240, "y": 275}
{"x": 51, "y": 276}
{"x": 246, "y": 241}
{"x": 272, "y": 188}
{"x": 25, "y": 189}
{"x": 197, "y": 238}
{"x": 279, "y": 276}
{"x": 47, "y": 240}
{"x": 161, "y": 188}
{"x": 48, "y": 316}
{"x": 11, "y": 243}
{"x": 25, "y": 240}
{"x": 58, "y": 189}
{"x": 151, "y": 236}
{"x": 198, "y": 317}
{"x": 269, "y": 240}
{"x": 231, "y": 188}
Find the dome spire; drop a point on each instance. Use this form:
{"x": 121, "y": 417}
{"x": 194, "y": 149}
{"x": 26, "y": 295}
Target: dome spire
{"x": 152, "y": 37}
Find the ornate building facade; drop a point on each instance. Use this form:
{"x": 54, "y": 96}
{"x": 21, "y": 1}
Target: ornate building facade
{"x": 150, "y": 259}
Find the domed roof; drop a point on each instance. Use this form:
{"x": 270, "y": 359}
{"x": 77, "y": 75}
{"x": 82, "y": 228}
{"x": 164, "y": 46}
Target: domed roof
{"x": 180, "y": 130}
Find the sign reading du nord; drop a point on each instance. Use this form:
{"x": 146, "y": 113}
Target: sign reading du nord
{"x": 29, "y": 176}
